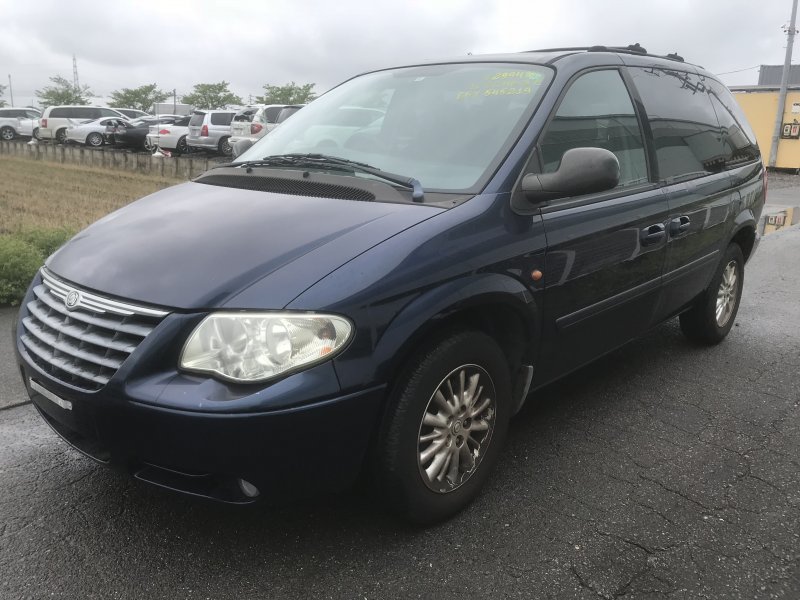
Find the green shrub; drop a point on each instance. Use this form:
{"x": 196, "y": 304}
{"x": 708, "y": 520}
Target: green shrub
{"x": 46, "y": 241}
{"x": 19, "y": 261}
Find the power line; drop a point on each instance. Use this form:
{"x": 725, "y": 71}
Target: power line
{"x": 740, "y": 70}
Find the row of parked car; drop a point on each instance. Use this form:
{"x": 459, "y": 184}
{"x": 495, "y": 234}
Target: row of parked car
{"x": 209, "y": 130}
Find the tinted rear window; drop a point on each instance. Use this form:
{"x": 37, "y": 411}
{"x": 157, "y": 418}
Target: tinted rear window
{"x": 10, "y": 113}
{"x": 59, "y": 113}
{"x": 684, "y": 125}
{"x": 197, "y": 119}
{"x": 221, "y": 118}
{"x": 738, "y": 139}
{"x": 183, "y": 121}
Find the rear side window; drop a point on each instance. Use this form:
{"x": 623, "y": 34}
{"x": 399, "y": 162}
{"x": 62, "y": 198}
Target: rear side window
{"x": 107, "y": 112}
{"x": 738, "y": 140}
{"x": 597, "y": 112}
{"x": 59, "y": 113}
{"x": 271, "y": 113}
{"x": 197, "y": 119}
{"x": 685, "y": 129}
{"x": 221, "y": 118}
{"x": 85, "y": 112}
{"x": 287, "y": 112}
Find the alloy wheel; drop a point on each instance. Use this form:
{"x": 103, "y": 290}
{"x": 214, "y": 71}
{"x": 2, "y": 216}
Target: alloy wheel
{"x": 727, "y": 293}
{"x": 456, "y": 428}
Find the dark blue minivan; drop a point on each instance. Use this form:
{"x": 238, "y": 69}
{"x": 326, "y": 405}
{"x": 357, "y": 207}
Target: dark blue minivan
{"x": 379, "y": 284}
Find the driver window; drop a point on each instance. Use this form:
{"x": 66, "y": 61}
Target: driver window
{"x": 597, "y": 112}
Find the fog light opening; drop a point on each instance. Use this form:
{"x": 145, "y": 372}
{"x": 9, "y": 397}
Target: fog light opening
{"x": 247, "y": 488}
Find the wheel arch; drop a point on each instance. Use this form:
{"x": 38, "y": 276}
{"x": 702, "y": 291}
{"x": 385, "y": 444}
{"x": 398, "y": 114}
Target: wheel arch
{"x": 495, "y": 304}
{"x": 745, "y": 234}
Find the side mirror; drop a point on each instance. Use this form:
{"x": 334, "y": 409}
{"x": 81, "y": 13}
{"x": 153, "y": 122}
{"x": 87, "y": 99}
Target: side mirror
{"x": 241, "y": 147}
{"x": 582, "y": 171}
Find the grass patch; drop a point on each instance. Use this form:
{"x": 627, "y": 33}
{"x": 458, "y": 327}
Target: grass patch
{"x": 43, "y": 204}
{"x": 45, "y": 195}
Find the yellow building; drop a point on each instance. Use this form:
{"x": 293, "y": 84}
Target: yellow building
{"x": 760, "y": 103}
{"x": 776, "y": 217}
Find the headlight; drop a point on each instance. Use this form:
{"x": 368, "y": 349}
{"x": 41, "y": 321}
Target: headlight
{"x": 248, "y": 347}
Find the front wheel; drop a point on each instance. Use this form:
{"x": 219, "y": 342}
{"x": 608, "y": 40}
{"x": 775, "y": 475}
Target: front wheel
{"x": 711, "y": 318}
{"x": 7, "y": 134}
{"x": 445, "y": 427}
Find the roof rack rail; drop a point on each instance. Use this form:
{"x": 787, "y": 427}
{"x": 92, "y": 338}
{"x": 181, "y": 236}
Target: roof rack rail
{"x": 629, "y": 49}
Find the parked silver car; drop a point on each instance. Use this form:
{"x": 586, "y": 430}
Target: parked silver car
{"x": 211, "y": 130}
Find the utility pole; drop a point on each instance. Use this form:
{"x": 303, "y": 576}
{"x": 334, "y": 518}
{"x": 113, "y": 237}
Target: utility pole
{"x": 174, "y": 100}
{"x": 787, "y": 67}
{"x": 10, "y": 89}
{"x": 76, "y": 84}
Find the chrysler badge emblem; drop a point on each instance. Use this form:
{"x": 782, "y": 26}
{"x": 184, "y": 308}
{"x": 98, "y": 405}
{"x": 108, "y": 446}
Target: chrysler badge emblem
{"x": 72, "y": 299}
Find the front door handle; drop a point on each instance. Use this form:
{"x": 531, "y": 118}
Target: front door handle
{"x": 653, "y": 234}
{"x": 679, "y": 225}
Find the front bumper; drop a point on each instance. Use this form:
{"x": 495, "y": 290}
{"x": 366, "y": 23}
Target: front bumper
{"x": 297, "y": 436}
{"x": 285, "y": 454}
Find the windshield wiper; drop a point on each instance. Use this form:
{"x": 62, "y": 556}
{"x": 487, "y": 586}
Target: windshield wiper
{"x": 328, "y": 162}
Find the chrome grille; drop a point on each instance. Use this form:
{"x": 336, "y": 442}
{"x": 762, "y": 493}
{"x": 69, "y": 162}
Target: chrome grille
{"x": 79, "y": 337}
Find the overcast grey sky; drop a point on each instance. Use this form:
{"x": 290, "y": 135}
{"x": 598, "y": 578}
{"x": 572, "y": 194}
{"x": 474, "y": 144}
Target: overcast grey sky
{"x": 178, "y": 43}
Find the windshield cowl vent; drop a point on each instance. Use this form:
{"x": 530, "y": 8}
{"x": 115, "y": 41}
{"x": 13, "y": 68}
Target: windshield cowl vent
{"x": 292, "y": 187}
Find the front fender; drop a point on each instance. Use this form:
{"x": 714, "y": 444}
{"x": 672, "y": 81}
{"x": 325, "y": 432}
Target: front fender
{"x": 397, "y": 337}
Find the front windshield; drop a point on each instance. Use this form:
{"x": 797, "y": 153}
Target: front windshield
{"x": 446, "y": 125}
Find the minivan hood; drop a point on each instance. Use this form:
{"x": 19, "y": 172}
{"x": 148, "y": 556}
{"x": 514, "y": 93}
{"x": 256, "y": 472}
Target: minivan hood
{"x": 197, "y": 246}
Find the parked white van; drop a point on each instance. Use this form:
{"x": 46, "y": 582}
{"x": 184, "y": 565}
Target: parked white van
{"x": 56, "y": 119}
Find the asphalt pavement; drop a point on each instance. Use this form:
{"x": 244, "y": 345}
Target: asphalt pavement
{"x": 664, "y": 470}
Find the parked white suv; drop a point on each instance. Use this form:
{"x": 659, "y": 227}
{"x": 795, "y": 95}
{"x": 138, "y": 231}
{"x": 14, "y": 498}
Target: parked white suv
{"x": 211, "y": 130}
{"x": 56, "y": 119}
{"x": 254, "y": 122}
{"x": 18, "y": 122}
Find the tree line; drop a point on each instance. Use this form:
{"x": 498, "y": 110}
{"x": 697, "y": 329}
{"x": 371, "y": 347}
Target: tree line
{"x": 207, "y": 96}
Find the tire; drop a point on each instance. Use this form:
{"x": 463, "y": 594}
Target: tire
{"x": 7, "y": 134}
{"x": 36, "y": 133}
{"x": 225, "y": 147}
{"x": 94, "y": 139}
{"x": 181, "y": 147}
{"x": 147, "y": 145}
{"x": 61, "y": 136}
{"x": 713, "y": 315}
{"x": 410, "y": 445}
